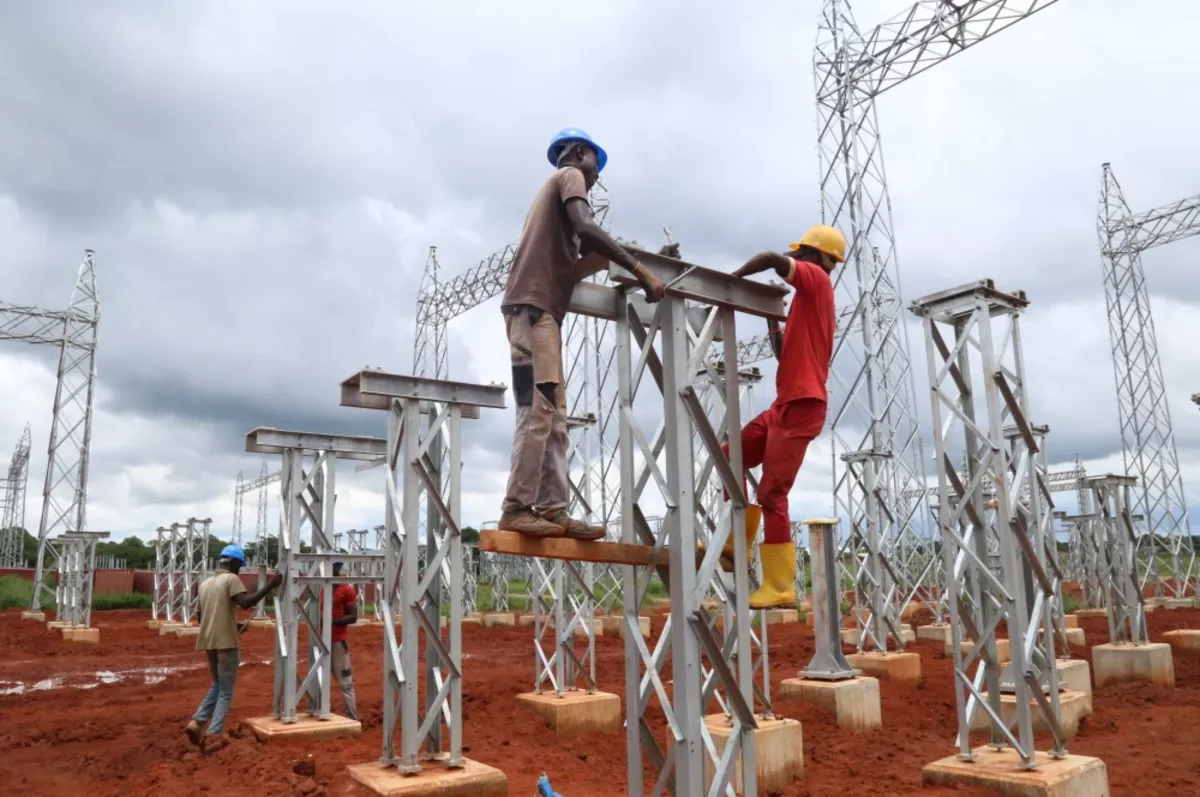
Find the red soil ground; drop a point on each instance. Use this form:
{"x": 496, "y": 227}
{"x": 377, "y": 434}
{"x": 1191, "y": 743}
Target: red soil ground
{"x": 125, "y": 737}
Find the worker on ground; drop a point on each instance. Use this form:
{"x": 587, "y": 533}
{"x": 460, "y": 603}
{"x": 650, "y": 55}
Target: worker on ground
{"x": 778, "y": 438}
{"x": 219, "y": 597}
{"x": 560, "y": 245}
{"x": 345, "y": 614}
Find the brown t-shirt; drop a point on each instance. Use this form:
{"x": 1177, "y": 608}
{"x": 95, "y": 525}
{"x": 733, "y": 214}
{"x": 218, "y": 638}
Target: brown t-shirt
{"x": 218, "y": 619}
{"x": 543, "y": 269}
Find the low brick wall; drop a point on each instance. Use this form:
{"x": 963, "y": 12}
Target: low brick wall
{"x": 108, "y": 582}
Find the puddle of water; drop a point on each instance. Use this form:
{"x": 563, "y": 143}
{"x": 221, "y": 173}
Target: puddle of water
{"x": 148, "y": 676}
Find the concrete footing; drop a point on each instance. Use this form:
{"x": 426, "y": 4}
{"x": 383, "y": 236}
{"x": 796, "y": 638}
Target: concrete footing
{"x": 850, "y": 636}
{"x": 854, "y": 701}
{"x": 576, "y": 713}
{"x": 305, "y": 727}
{"x": 1179, "y": 603}
{"x": 57, "y": 625}
{"x": 1002, "y": 649}
{"x": 1072, "y": 707}
{"x": 1185, "y": 642}
{"x": 643, "y": 626}
{"x": 153, "y": 624}
{"x": 1071, "y": 620}
{"x": 1151, "y": 662}
{"x": 1091, "y": 614}
{"x": 498, "y": 619}
{"x": 267, "y": 623}
{"x": 187, "y": 630}
{"x": 896, "y": 666}
{"x": 939, "y": 632}
{"x": 1075, "y": 637}
{"x": 168, "y": 628}
{"x": 777, "y": 616}
{"x": 88, "y": 636}
{"x": 37, "y": 617}
{"x": 1000, "y": 770}
{"x": 434, "y": 780}
{"x": 778, "y": 747}
{"x": 1074, "y": 675}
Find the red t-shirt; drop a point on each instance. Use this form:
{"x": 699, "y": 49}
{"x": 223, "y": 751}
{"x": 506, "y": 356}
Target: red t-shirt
{"x": 344, "y": 598}
{"x": 807, "y": 336}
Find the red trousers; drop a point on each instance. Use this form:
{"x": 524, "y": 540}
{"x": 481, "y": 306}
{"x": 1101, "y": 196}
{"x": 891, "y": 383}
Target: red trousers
{"x": 778, "y": 439}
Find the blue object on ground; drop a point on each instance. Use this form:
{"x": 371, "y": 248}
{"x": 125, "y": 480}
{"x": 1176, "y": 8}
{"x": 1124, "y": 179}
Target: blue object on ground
{"x": 545, "y": 789}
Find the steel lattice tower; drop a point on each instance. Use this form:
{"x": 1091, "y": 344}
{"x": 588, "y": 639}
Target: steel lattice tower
{"x": 1147, "y": 437}
{"x": 237, "y": 509}
{"x": 12, "y": 524}
{"x": 260, "y": 525}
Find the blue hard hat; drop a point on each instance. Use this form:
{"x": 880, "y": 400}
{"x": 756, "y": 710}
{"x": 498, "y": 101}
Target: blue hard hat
{"x": 233, "y": 552}
{"x": 568, "y": 135}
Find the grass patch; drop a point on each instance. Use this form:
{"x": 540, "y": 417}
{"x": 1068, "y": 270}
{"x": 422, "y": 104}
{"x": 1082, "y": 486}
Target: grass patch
{"x": 122, "y": 600}
{"x": 15, "y": 592}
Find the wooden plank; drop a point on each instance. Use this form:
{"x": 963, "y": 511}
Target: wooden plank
{"x": 618, "y": 553}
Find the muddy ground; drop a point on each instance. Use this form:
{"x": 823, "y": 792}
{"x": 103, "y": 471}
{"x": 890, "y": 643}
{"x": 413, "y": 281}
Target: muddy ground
{"x": 94, "y": 721}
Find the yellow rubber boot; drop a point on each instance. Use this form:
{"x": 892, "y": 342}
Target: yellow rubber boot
{"x": 753, "y": 519}
{"x": 779, "y": 570}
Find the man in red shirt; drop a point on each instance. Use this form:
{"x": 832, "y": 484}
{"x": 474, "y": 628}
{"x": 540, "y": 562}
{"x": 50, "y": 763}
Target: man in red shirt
{"x": 345, "y": 614}
{"x": 778, "y": 438}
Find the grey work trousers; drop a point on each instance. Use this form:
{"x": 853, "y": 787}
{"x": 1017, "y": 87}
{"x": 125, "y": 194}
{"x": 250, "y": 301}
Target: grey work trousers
{"x": 538, "y": 478}
{"x": 345, "y": 679}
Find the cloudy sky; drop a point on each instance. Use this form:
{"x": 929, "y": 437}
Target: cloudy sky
{"x": 261, "y": 184}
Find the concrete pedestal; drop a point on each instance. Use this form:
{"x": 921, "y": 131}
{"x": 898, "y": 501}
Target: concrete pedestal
{"x": 57, "y": 625}
{"x": 854, "y": 701}
{"x": 498, "y": 619}
{"x": 1074, "y": 675}
{"x": 779, "y": 752}
{"x": 168, "y": 628}
{"x": 153, "y": 624}
{"x": 576, "y": 713}
{"x": 609, "y": 623}
{"x": 187, "y": 630}
{"x": 1002, "y": 649}
{"x": 643, "y": 626}
{"x": 306, "y": 727}
{"x": 1075, "y": 637}
{"x": 850, "y": 636}
{"x": 1118, "y": 663}
{"x": 1071, "y": 620}
{"x": 434, "y": 780}
{"x": 896, "y": 666}
{"x": 939, "y": 632}
{"x": 1185, "y": 642}
{"x": 776, "y": 616}
{"x": 268, "y": 623}
{"x": 1091, "y": 614}
{"x": 1072, "y": 707}
{"x": 89, "y": 636}
{"x": 999, "y": 770}
{"x": 1154, "y": 603}
{"x": 1179, "y": 603}
{"x": 37, "y": 617}
{"x": 475, "y": 621}
{"x": 524, "y": 620}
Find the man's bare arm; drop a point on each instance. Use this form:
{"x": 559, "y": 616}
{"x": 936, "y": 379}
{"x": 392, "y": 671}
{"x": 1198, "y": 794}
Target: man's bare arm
{"x": 598, "y": 242}
{"x": 764, "y": 261}
{"x": 249, "y": 600}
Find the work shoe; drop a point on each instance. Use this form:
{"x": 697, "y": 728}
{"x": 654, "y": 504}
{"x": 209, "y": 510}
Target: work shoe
{"x": 753, "y": 518}
{"x": 194, "y": 731}
{"x": 779, "y": 571}
{"x": 527, "y": 523}
{"x": 575, "y": 529}
{"x": 214, "y": 743}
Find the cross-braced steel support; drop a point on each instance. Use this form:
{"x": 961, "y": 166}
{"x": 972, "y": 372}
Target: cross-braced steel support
{"x": 1147, "y": 437}
{"x": 707, "y": 667}
{"x": 1112, "y": 497}
{"x": 193, "y": 564}
{"x": 307, "y": 498}
{"x": 12, "y": 518}
{"x": 977, "y": 390}
{"x": 164, "y": 574}
{"x": 76, "y": 557}
{"x": 430, "y": 729}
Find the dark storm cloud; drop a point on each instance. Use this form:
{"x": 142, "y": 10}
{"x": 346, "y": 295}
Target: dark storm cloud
{"x": 261, "y": 182}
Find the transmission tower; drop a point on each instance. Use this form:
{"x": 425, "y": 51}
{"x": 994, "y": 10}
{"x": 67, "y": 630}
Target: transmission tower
{"x": 872, "y": 393}
{"x": 1147, "y": 439}
{"x": 260, "y": 526}
{"x": 73, "y": 331}
{"x": 237, "y": 509}
{"x": 12, "y": 527}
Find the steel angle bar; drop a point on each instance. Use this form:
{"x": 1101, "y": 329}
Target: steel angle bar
{"x": 266, "y": 440}
{"x": 371, "y": 389}
{"x": 709, "y": 286}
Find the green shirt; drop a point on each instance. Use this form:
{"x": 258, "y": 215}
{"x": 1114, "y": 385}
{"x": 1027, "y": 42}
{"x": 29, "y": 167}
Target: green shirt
{"x": 218, "y": 619}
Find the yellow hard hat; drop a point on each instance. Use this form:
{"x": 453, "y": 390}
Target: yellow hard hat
{"x": 825, "y": 239}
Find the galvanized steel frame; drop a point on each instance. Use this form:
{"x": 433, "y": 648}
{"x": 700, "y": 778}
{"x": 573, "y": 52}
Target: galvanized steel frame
{"x": 76, "y": 558}
{"x": 1117, "y": 548}
{"x": 972, "y": 410}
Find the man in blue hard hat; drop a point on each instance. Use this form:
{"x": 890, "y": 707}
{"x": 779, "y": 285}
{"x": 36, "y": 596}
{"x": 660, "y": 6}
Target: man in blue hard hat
{"x": 218, "y": 600}
{"x": 560, "y": 245}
